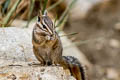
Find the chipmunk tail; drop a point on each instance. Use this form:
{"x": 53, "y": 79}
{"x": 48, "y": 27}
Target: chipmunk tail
{"x": 75, "y": 67}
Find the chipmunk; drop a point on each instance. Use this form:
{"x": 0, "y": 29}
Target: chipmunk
{"x": 48, "y": 49}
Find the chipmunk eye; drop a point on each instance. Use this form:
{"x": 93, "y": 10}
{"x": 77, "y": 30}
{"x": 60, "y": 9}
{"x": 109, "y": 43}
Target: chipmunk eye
{"x": 44, "y": 26}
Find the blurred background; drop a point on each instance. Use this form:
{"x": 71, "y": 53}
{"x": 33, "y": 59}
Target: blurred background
{"x": 96, "y": 22}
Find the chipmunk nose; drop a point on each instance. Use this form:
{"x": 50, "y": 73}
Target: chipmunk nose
{"x": 48, "y": 63}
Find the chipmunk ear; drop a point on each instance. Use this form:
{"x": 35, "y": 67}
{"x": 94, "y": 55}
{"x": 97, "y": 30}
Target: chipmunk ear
{"x": 39, "y": 16}
{"x": 45, "y": 13}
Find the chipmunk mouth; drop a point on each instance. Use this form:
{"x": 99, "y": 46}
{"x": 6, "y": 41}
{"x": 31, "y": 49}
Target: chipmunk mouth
{"x": 50, "y": 37}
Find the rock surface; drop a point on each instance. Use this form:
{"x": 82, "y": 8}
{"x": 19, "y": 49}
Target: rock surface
{"x": 16, "y": 55}
{"x": 16, "y": 44}
{"x": 19, "y": 72}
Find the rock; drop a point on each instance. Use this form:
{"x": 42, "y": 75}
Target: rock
{"x": 16, "y": 44}
{"x": 33, "y": 73}
{"x": 16, "y": 55}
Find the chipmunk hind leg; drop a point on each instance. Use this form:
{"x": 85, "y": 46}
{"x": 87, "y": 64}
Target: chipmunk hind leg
{"x": 39, "y": 58}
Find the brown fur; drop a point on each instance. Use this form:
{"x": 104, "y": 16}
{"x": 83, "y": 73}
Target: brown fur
{"x": 49, "y": 52}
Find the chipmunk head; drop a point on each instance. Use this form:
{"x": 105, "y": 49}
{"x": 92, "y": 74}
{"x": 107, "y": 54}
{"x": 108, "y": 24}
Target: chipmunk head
{"x": 45, "y": 25}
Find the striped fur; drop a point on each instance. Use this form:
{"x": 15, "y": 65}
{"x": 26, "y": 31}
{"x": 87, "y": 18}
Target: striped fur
{"x": 75, "y": 67}
{"x": 47, "y": 48}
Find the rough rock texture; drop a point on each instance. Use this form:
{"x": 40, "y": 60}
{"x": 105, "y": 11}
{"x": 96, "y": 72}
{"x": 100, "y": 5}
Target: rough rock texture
{"x": 16, "y": 58}
{"x": 16, "y": 45}
{"x": 25, "y": 72}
